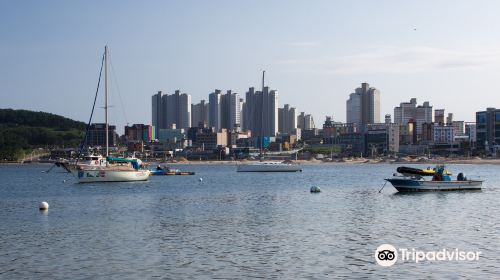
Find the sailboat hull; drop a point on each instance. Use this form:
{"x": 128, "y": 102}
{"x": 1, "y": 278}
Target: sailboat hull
{"x": 93, "y": 176}
{"x": 268, "y": 167}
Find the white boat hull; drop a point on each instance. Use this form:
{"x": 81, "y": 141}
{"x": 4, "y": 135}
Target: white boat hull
{"x": 103, "y": 175}
{"x": 412, "y": 185}
{"x": 269, "y": 167}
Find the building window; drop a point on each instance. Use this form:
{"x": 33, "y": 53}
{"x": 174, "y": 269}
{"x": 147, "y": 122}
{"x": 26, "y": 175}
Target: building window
{"x": 481, "y": 117}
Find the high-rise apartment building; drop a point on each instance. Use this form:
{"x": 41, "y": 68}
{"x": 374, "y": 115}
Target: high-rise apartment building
{"x": 261, "y": 112}
{"x": 168, "y": 110}
{"x": 214, "y": 110}
{"x": 242, "y": 113}
{"x": 224, "y": 110}
{"x": 199, "y": 113}
{"x": 409, "y": 111}
{"x": 230, "y": 110}
{"x": 158, "y": 118}
{"x": 287, "y": 119}
{"x": 363, "y": 105}
{"x": 449, "y": 119}
{"x": 305, "y": 121}
{"x": 439, "y": 116}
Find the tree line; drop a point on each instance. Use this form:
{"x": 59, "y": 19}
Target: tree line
{"x": 22, "y": 131}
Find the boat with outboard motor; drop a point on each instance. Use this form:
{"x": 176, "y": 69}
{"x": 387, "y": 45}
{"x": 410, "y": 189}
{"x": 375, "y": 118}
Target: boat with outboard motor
{"x": 413, "y": 179}
{"x": 159, "y": 170}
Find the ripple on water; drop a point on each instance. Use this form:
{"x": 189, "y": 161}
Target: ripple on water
{"x": 237, "y": 225}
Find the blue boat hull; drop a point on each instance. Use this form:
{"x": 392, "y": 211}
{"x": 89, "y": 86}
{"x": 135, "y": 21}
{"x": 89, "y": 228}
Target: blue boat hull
{"x": 413, "y": 185}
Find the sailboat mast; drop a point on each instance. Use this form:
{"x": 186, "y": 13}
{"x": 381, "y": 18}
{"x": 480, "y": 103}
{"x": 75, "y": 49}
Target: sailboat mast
{"x": 262, "y": 117}
{"x": 106, "y": 97}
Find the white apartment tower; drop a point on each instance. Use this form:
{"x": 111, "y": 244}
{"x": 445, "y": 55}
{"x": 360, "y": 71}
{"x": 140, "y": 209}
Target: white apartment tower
{"x": 363, "y": 105}
{"x": 214, "y": 110}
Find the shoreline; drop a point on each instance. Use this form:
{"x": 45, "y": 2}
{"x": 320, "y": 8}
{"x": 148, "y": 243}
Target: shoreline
{"x": 400, "y": 161}
{"x": 345, "y": 161}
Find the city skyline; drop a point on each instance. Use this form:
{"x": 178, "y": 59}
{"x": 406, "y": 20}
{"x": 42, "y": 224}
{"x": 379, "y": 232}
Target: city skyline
{"x": 314, "y": 54}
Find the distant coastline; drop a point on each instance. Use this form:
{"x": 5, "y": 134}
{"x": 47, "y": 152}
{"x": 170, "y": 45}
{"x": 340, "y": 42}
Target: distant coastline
{"x": 400, "y": 161}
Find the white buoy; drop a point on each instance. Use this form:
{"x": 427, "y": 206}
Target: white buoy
{"x": 43, "y": 206}
{"x": 201, "y": 179}
{"x": 315, "y": 189}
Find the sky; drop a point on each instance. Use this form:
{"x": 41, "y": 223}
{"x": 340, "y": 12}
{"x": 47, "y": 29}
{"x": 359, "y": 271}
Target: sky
{"x": 315, "y": 53}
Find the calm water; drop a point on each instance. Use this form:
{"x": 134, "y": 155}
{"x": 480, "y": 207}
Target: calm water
{"x": 241, "y": 225}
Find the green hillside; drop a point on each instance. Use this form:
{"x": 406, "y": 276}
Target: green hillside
{"x": 22, "y": 131}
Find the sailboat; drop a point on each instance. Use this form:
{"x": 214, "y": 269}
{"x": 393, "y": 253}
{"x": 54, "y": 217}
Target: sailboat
{"x": 267, "y": 166}
{"x": 97, "y": 168}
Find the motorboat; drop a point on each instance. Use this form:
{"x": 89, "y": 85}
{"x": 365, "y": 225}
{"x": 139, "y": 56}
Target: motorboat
{"x": 415, "y": 180}
{"x": 169, "y": 171}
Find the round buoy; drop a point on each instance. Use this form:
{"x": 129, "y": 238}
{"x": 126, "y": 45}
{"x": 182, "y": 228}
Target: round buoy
{"x": 315, "y": 189}
{"x": 43, "y": 206}
{"x": 201, "y": 179}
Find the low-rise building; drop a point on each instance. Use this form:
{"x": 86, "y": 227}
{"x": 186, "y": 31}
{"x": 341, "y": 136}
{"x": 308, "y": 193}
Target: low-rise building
{"x": 443, "y": 135}
{"x": 139, "y": 132}
{"x": 96, "y": 135}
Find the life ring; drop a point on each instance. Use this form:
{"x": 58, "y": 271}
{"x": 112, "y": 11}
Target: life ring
{"x": 96, "y": 161}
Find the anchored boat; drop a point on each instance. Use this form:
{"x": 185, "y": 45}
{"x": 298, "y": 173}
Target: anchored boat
{"x": 106, "y": 169}
{"x": 269, "y": 166}
{"x": 169, "y": 171}
{"x": 413, "y": 179}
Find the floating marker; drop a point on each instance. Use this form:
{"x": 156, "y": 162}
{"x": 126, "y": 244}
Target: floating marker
{"x": 201, "y": 179}
{"x": 315, "y": 189}
{"x": 43, "y": 206}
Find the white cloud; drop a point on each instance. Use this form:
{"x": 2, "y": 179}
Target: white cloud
{"x": 389, "y": 59}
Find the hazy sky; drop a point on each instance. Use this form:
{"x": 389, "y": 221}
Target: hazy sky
{"x": 314, "y": 52}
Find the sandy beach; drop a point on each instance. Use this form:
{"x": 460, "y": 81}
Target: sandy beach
{"x": 403, "y": 160}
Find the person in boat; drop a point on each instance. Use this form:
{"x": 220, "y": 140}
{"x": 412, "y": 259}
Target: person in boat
{"x": 461, "y": 177}
{"x": 159, "y": 168}
{"x": 439, "y": 175}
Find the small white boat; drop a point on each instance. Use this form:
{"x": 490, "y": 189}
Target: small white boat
{"x": 413, "y": 179}
{"x": 269, "y": 166}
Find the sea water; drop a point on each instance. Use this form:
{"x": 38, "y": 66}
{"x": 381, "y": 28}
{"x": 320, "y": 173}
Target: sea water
{"x": 234, "y": 225}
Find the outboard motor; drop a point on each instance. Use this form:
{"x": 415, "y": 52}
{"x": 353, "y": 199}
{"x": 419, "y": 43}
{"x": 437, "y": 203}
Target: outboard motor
{"x": 460, "y": 177}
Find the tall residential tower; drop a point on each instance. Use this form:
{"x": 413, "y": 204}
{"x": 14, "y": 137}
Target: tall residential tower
{"x": 363, "y": 105}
